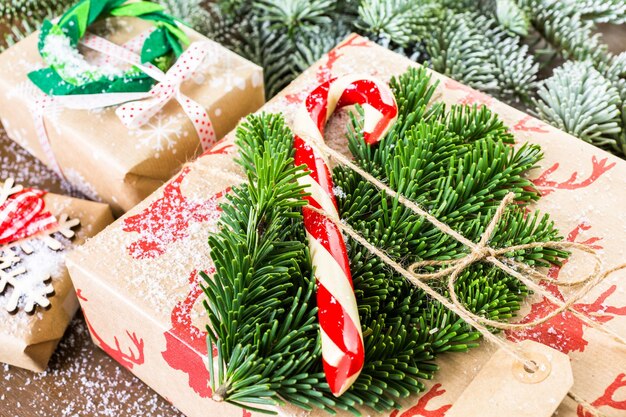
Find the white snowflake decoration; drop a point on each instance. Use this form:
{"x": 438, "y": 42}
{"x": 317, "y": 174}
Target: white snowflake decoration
{"x": 29, "y": 288}
{"x": 160, "y": 133}
{"x": 9, "y": 188}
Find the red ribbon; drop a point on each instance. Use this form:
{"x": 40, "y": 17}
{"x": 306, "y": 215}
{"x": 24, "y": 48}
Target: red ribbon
{"x": 23, "y": 215}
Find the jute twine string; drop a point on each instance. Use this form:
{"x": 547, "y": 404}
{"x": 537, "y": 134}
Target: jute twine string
{"x": 482, "y": 252}
{"x": 454, "y": 306}
{"x": 586, "y": 404}
{"x": 479, "y": 252}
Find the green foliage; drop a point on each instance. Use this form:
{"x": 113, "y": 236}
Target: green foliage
{"x": 265, "y": 47}
{"x": 457, "y": 48}
{"x": 392, "y": 20}
{"x": 295, "y": 15}
{"x": 198, "y": 14}
{"x": 456, "y": 161}
{"x": 260, "y": 303}
{"x": 19, "y": 18}
{"x": 561, "y": 26}
{"x": 602, "y": 11}
{"x": 579, "y": 100}
{"x": 511, "y": 17}
{"x": 473, "y": 49}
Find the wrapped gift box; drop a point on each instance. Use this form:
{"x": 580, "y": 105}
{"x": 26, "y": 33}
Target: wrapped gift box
{"x": 28, "y": 340}
{"x": 146, "y": 264}
{"x": 94, "y": 150}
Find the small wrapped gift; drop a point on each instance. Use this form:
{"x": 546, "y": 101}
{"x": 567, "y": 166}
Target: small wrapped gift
{"x": 153, "y": 263}
{"x": 37, "y": 230}
{"x": 117, "y": 104}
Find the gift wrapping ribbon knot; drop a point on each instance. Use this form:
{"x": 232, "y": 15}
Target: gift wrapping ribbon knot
{"x": 137, "y": 113}
{"x": 482, "y": 252}
{"x": 22, "y": 213}
{"x": 134, "y": 109}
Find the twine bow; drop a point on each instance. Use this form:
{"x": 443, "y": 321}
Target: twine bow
{"x": 482, "y": 252}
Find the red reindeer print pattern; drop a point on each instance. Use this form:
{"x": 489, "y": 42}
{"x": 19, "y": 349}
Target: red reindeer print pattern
{"x": 524, "y": 125}
{"x": 135, "y": 355}
{"x": 186, "y": 346}
{"x": 547, "y": 186}
{"x": 419, "y": 409}
{"x": 325, "y": 71}
{"x": 565, "y": 332}
{"x": 167, "y": 220}
{"x": 608, "y": 399}
{"x": 220, "y": 148}
{"x": 471, "y": 96}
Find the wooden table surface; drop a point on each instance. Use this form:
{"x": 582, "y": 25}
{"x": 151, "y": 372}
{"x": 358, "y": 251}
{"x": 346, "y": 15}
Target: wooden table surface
{"x": 81, "y": 379}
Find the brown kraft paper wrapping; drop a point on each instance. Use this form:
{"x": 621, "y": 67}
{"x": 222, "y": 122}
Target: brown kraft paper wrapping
{"x": 28, "y": 340}
{"x": 144, "y": 267}
{"x": 95, "y": 151}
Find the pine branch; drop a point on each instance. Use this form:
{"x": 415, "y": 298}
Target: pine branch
{"x": 390, "y": 20}
{"x": 432, "y": 164}
{"x": 23, "y": 17}
{"x": 602, "y": 11}
{"x": 562, "y": 26}
{"x": 457, "y": 162}
{"x": 260, "y": 301}
{"x": 295, "y": 15}
{"x": 257, "y": 41}
{"x": 517, "y": 69}
{"x": 457, "y": 49}
{"x": 473, "y": 49}
{"x": 580, "y": 101}
{"x": 511, "y": 17}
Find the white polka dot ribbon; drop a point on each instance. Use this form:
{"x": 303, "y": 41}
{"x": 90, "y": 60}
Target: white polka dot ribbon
{"x": 135, "y": 114}
{"x": 135, "y": 109}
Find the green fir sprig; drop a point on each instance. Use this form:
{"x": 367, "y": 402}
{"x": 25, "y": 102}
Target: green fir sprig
{"x": 457, "y": 162}
{"x": 19, "y": 18}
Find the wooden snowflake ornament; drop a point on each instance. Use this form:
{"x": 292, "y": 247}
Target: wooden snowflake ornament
{"x": 8, "y": 189}
{"x": 29, "y": 290}
{"x": 23, "y": 223}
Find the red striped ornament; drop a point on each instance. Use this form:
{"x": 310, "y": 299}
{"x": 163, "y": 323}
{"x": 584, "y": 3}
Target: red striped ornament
{"x": 23, "y": 215}
{"x": 342, "y": 339}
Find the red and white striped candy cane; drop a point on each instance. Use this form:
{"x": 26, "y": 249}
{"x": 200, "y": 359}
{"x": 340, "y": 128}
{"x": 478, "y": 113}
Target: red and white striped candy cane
{"x": 342, "y": 339}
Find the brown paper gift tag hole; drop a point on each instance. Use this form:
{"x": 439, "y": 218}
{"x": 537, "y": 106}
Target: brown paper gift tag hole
{"x": 507, "y": 387}
{"x": 539, "y": 371}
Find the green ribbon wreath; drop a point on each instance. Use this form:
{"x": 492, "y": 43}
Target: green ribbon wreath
{"x": 68, "y": 73}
